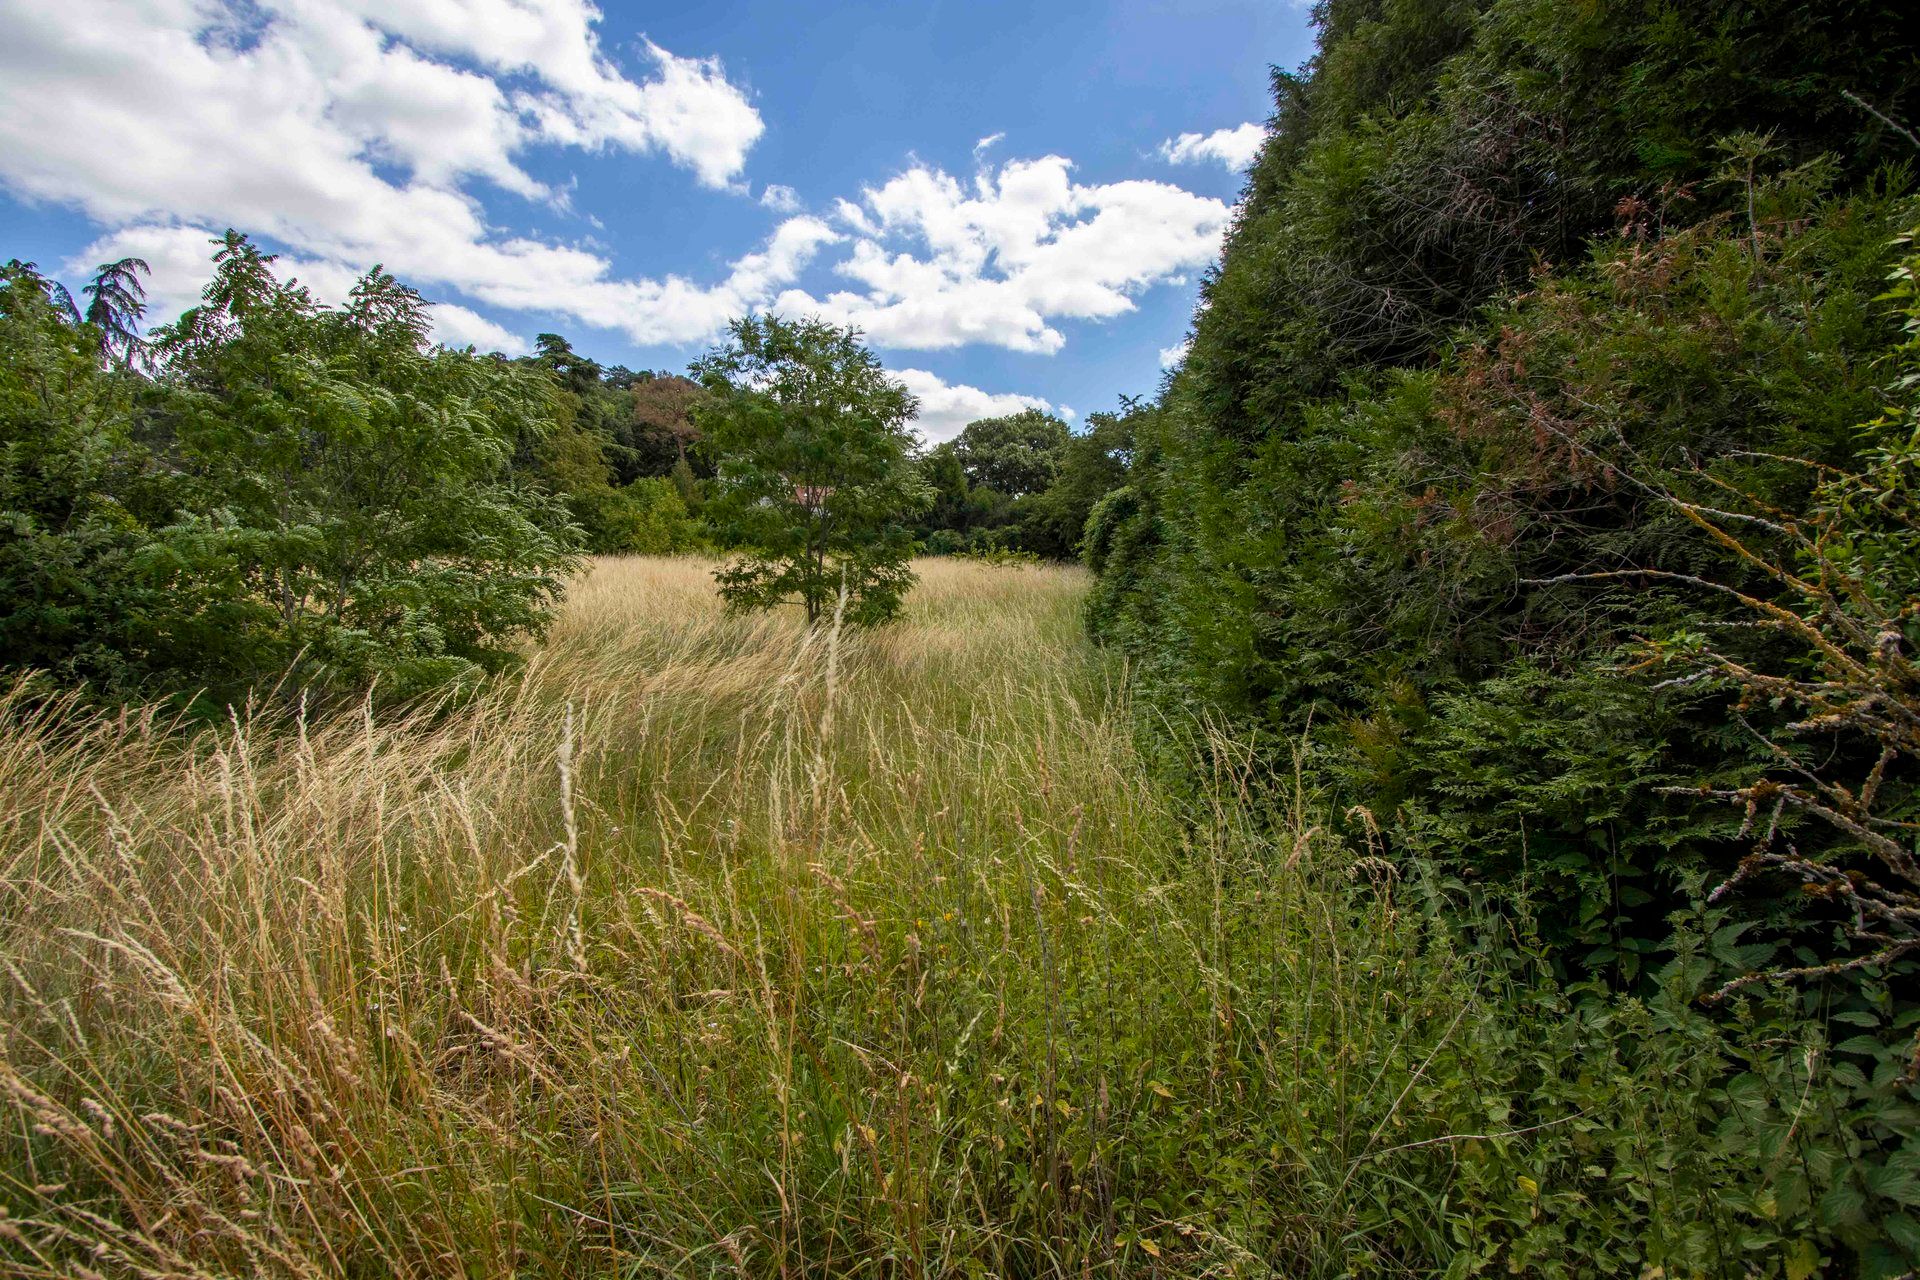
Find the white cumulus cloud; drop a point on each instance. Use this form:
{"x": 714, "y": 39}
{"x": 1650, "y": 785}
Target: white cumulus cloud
{"x": 523, "y": 277}
{"x": 1173, "y": 355}
{"x": 179, "y": 260}
{"x": 1234, "y": 148}
{"x": 938, "y": 263}
{"x": 687, "y": 109}
{"x": 781, "y": 199}
{"x": 335, "y": 128}
{"x": 946, "y": 408}
{"x": 456, "y": 326}
{"x": 352, "y": 132}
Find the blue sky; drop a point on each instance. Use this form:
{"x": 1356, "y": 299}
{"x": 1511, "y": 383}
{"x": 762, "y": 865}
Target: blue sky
{"x": 1015, "y": 201}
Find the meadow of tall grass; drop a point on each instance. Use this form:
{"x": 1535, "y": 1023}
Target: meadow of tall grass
{"x": 713, "y": 946}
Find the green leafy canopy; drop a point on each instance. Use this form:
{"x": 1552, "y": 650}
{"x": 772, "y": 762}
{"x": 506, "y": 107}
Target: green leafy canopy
{"x": 816, "y": 482}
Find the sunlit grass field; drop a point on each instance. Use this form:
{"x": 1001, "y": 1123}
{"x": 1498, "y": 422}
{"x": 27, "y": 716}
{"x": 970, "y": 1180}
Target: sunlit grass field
{"x": 708, "y": 946}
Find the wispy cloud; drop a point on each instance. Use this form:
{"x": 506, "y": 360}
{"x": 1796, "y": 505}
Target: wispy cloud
{"x": 781, "y": 199}
{"x": 1234, "y": 148}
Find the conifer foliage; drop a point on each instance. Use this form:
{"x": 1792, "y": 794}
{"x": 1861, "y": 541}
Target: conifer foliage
{"x": 1504, "y": 275}
{"x": 1540, "y": 473}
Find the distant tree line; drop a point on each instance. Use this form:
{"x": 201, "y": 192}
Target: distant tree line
{"x": 1022, "y": 483}
{"x": 624, "y": 453}
{"x": 271, "y": 495}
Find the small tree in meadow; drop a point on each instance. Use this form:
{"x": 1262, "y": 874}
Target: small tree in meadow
{"x": 816, "y": 480}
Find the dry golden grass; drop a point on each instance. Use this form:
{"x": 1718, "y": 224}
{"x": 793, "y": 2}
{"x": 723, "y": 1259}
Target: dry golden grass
{"x": 614, "y": 971}
{"x": 711, "y": 946}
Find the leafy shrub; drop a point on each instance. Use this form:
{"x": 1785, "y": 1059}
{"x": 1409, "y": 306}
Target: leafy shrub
{"x": 307, "y": 497}
{"x": 1831, "y": 693}
{"x": 944, "y": 542}
{"x": 646, "y": 517}
{"x": 75, "y": 495}
{"x": 1000, "y": 555}
{"x": 1531, "y": 319}
{"x": 1391, "y": 568}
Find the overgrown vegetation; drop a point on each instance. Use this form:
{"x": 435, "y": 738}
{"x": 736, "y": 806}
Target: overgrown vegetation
{"x": 1540, "y": 471}
{"x": 1465, "y": 823}
{"x": 719, "y": 945}
{"x": 275, "y": 494}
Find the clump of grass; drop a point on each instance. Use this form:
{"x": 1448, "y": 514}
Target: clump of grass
{"x": 715, "y": 946}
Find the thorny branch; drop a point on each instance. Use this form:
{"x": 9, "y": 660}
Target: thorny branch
{"x": 1838, "y": 586}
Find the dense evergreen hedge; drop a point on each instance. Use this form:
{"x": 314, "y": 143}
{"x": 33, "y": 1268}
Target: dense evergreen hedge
{"x": 1518, "y": 290}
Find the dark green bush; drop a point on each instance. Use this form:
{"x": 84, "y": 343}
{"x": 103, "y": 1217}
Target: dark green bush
{"x": 1517, "y": 292}
{"x": 303, "y": 497}
{"x": 1311, "y": 535}
{"x": 645, "y": 517}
